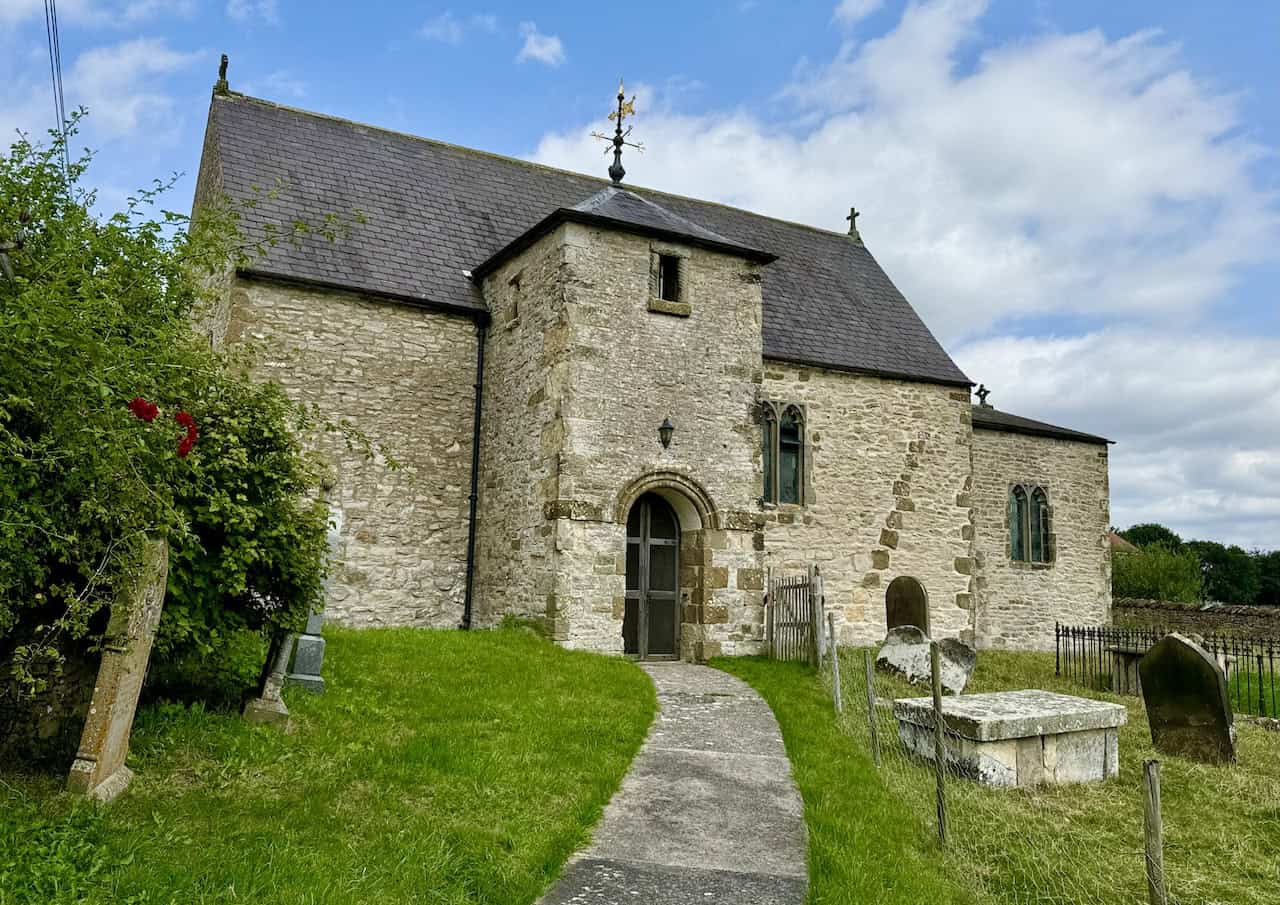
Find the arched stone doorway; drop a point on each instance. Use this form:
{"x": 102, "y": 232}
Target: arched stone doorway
{"x": 906, "y": 603}
{"x": 651, "y": 616}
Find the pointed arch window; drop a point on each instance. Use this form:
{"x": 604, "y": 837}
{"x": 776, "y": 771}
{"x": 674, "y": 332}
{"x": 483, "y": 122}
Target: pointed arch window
{"x": 769, "y": 443}
{"x": 783, "y": 448}
{"x": 1030, "y": 529}
{"x": 791, "y": 456}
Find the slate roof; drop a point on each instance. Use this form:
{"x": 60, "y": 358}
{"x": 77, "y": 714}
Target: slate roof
{"x": 621, "y": 209}
{"x": 986, "y": 417}
{"x": 433, "y": 211}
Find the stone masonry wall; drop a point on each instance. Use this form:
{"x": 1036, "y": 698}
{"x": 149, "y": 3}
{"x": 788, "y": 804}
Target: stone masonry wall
{"x": 404, "y": 376}
{"x": 1214, "y": 618}
{"x": 596, "y": 372}
{"x": 631, "y": 367}
{"x": 520, "y": 441}
{"x": 888, "y": 494}
{"x": 1018, "y": 602}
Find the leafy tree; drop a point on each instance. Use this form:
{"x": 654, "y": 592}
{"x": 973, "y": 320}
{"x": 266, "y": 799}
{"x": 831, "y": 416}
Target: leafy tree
{"x": 118, "y": 422}
{"x": 1148, "y": 533}
{"x": 1230, "y": 573}
{"x": 1268, "y": 577}
{"x": 1157, "y": 572}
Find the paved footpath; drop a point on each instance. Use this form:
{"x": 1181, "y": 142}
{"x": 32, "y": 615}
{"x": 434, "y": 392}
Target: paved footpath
{"x": 708, "y": 812}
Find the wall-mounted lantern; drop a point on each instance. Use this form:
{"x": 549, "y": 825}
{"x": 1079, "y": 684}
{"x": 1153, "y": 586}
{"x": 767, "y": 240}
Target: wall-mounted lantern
{"x": 665, "y": 431}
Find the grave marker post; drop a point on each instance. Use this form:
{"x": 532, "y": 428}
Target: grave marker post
{"x": 939, "y": 741}
{"x": 1153, "y": 833}
{"x": 871, "y": 707}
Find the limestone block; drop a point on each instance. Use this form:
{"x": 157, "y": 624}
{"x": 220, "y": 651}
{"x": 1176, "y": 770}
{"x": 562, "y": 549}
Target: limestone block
{"x": 1021, "y": 738}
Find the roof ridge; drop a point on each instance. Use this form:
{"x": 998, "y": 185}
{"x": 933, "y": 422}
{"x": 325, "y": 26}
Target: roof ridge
{"x": 239, "y": 95}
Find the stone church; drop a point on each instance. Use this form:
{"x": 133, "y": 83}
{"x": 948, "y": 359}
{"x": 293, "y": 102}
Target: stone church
{"x": 618, "y": 410}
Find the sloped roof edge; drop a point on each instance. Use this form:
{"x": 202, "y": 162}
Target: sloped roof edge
{"x": 986, "y": 417}
{"x": 572, "y": 215}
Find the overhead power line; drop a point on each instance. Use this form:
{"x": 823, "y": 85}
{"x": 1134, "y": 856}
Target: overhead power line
{"x": 55, "y": 76}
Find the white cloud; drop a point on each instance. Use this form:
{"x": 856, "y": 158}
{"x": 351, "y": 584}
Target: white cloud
{"x": 281, "y": 83}
{"x": 1067, "y": 174}
{"x": 95, "y": 12}
{"x": 1055, "y": 179}
{"x": 1196, "y": 419}
{"x": 450, "y": 29}
{"x": 444, "y": 27}
{"x": 537, "y": 46}
{"x": 119, "y": 85}
{"x": 248, "y": 10}
{"x": 850, "y": 11}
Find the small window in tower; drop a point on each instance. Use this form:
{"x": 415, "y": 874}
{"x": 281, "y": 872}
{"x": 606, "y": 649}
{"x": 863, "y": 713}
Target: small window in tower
{"x": 669, "y": 278}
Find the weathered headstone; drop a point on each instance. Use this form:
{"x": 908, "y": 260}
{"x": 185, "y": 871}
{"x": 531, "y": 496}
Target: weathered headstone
{"x": 906, "y": 603}
{"x": 906, "y": 652}
{"x": 1188, "y": 707}
{"x": 99, "y": 770}
{"x": 268, "y": 706}
{"x": 308, "y": 656}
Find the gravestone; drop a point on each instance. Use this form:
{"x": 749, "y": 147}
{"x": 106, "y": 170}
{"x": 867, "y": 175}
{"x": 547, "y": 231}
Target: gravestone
{"x": 99, "y": 770}
{"x": 906, "y": 653}
{"x": 268, "y": 707}
{"x": 308, "y": 656}
{"x": 1187, "y": 704}
{"x": 906, "y": 603}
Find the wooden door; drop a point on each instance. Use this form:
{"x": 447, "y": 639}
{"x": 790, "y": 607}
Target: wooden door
{"x": 651, "y": 622}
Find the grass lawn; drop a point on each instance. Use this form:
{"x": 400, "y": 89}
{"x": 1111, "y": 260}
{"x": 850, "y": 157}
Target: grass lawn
{"x": 865, "y": 844}
{"x": 871, "y": 833}
{"x": 440, "y": 767}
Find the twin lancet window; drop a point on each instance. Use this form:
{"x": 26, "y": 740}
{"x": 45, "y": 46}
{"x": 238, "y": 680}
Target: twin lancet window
{"x": 783, "y": 445}
{"x": 1030, "y": 538}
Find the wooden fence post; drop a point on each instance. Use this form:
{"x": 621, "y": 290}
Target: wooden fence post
{"x": 835, "y": 662}
{"x": 871, "y": 708}
{"x": 815, "y": 614}
{"x": 769, "y": 601}
{"x": 1153, "y": 833}
{"x": 939, "y": 741}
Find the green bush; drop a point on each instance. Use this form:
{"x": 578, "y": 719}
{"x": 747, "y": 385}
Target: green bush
{"x": 118, "y": 422}
{"x": 1157, "y": 572}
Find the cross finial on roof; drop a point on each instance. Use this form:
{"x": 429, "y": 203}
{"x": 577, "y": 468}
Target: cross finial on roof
{"x": 619, "y": 138}
{"x": 982, "y": 395}
{"x": 221, "y": 86}
{"x": 853, "y": 223}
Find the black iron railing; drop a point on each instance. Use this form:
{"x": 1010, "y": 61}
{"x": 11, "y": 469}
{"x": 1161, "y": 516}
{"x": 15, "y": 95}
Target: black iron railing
{"x": 1105, "y": 657}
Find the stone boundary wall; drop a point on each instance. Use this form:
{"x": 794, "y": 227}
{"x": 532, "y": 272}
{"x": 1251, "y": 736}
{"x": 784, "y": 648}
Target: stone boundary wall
{"x": 1221, "y": 619}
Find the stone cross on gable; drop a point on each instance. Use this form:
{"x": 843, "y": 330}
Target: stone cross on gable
{"x": 853, "y": 224}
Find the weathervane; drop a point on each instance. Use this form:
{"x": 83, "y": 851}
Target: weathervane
{"x": 619, "y": 138}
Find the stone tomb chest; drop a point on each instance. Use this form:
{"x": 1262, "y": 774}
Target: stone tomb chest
{"x": 1018, "y": 738}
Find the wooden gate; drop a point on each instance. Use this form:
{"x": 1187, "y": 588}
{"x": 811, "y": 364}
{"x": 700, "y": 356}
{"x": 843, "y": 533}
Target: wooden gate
{"x": 793, "y": 617}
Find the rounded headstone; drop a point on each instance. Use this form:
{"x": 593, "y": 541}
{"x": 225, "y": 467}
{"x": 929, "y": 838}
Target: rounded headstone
{"x": 1188, "y": 708}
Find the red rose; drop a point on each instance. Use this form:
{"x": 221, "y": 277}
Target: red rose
{"x": 184, "y": 419}
{"x": 140, "y": 408}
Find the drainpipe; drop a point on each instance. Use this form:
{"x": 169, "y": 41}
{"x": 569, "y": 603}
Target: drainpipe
{"x": 482, "y": 324}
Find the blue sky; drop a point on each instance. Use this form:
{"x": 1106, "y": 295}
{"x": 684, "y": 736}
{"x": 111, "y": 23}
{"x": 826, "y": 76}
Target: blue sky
{"x": 1079, "y": 197}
